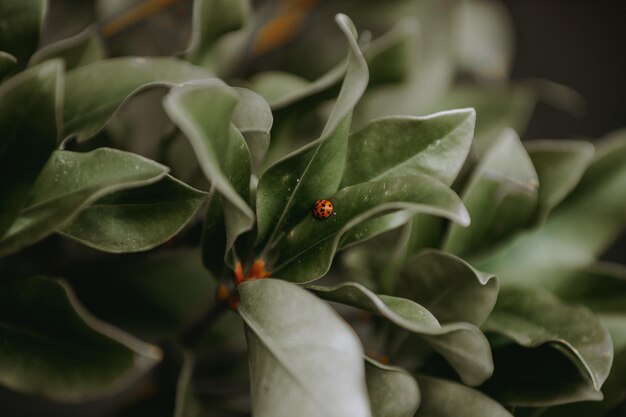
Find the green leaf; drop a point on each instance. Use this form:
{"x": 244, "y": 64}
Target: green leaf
{"x": 253, "y": 118}
{"x": 221, "y": 150}
{"x": 307, "y": 251}
{"x": 602, "y": 288}
{"x": 303, "y": 358}
{"x": 560, "y": 164}
{"x": 436, "y": 145}
{"x": 138, "y": 219}
{"x": 154, "y": 298}
{"x": 53, "y": 348}
{"x": 7, "y": 63}
{"x": 579, "y": 230}
{"x": 211, "y": 20}
{"x": 79, "y": 50}
{"x": 484, "y": 39}
{"x": 374, "y": 227}
{"x": 532, "y": 318}
{"x": 448, "y": 287}
{"x": 389, "y": 56}
{"x": 94, "y": 92}
{"x": 537, "y": 377}
{"x": 276, "y": 86}
{"x": 501, "y": 197}
{"x": 441, "y": 398}
{"x": 20, "y": 27}
{"x": 289, "y": 187}
{"x": 393, "y": 391}
{"x": 473, "y": 363}
{"x": 69, "y": 183}
{"x": 29, "y": 104}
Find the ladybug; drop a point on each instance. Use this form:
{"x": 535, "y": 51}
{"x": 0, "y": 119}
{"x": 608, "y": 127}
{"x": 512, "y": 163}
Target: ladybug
{"x": 322, "y": 209}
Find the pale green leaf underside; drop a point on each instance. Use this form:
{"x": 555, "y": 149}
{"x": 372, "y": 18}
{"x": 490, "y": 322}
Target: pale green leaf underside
{"x": 302, "y": 355}
{"x": 393, "y": 391}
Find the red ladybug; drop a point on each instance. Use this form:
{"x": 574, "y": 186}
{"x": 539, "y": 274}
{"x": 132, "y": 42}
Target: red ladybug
{"x": 322, "y": 209}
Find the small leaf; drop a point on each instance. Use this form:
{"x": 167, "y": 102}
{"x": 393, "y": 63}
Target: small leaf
{"x": 94, "y": 92}
{"x": 253, "y": 117}
{"x": 501, "y": 197}
{"x": 29, "y": 112}
{"x": 304, "y": 360}
{"x": 274, "y": 86}
{"x": 393, "y": 391}
{"x": 69, "y": 183}
{"x": 290, "y": 186}
{"x": 79, "y": 50}
{"x": 595, "y": 210}
{"x": 307, "y": 251}
{"x": 560, "y": 164}
{"x": 53, "y": 348}
{"x": 220, "y": 149}
{"x": 436, "y": 145}
{"x": 473, "y": 363}
{"x": 211, "y": 20}
{"x": 153, "y": 298}
{"x": 137, "y": 219}
{"x": 532, "y": 318}
{"x": 538, "y": 377}
{"x": 441, "y": 398}
{"x": 20, "y": 27}
{"x": 449, "y": 287}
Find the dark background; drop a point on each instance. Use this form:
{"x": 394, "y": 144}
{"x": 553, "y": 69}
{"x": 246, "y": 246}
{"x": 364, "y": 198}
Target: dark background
{"x": 580, "y": 44}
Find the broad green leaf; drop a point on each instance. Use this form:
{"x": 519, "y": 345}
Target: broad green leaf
{"x": 94, "y": 92}
{"x": 79, "y": 50}
{"x": 253, "y": 118}
{"x": 308, "y": 249}
{"x": 211, "y": 20}
{"x": 29, "y": 114}
{"x": 532, "y": 318}
{"x": 473, "y": 362}
{"x": 436, "y": 145}
{"x": 425, "y": 232}
{"x": 69, "y": 183}
{"x": 220, "y": 149}
{"x": 374, "y": 227}
{"x": 137, "y": 219}
{"x": 579, "y": 230}
{"x": 441, "y": 398}
{"x": 153, "y": 298}
{"x": 53, "y": 348}
{"x": 501, "y": 197}
{"x": 448, "y": 287}
{"x": 289, "y": 187}
{"x": 393, "y": 391}
{"x": 560, "y": 164}
{"x": 537, "y": 377}
{"x": 304, "y": 359}
{"x": 20, "y": 27}
{"x": 603, "y": 289}
{"x": 7, "y": 62}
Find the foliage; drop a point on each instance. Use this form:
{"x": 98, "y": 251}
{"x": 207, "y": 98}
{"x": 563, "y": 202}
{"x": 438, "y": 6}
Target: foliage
{"x": 143, "y": 197}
